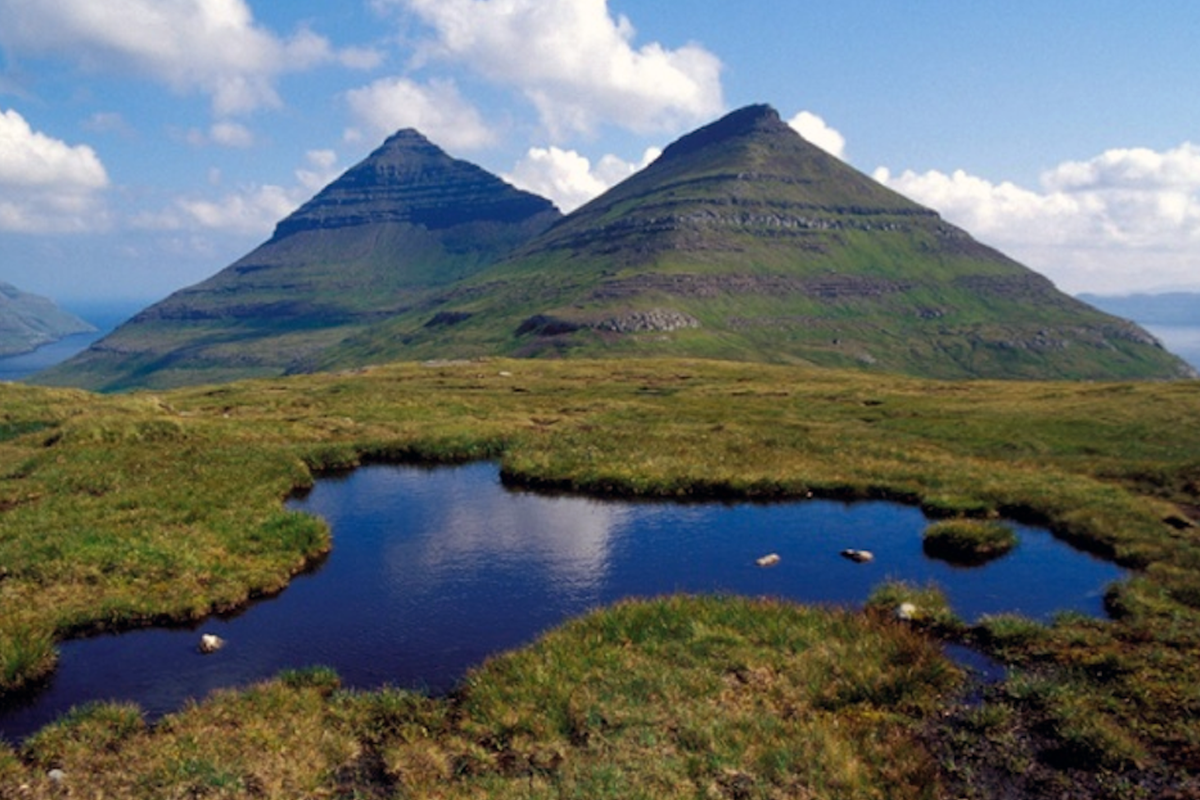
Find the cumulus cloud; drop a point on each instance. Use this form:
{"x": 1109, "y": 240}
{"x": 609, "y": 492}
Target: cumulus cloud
{"x": 320, "y": 171}
{"x": 45, "y": 184}
{"x": 436, "y": 109}
{"x": 575, "y": 62}
{"x": 1100, "y": 225}
{"x": 568, "y": 178}
{"x": 210, "y": 46}
{"x": 248, "y": 210}
{"x": 815, "y": 130}
{"x": 251, "y": 210}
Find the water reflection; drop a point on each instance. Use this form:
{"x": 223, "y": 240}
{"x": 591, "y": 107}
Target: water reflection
{"x": 567, "y": 538}
{"x": 434, "y": 570}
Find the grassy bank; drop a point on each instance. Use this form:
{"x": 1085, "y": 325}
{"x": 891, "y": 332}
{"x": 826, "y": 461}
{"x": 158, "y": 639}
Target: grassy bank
{"x": 673, "y": 698}
{"x": 124, "y": 510}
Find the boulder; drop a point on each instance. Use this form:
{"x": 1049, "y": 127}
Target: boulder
{"x": 858, "y": 556}
{"x": 769, "y": 560}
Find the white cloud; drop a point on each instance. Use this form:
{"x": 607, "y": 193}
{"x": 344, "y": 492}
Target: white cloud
{"x": 568, "y": 178}
{"x": 210, "y": 46}
{"x": 1134, "y": 168}
{"x": 249, "y": 210}
{"x": 231, "y": 134}
{"x": 45, "y": 184}
{"x": 322, "y": 169}
{"x": 575, "y": 62}
{"x": 815, "y": 130}
{"x": 437, "y": 110}
{"x": 224, "y": 133}
{"x": 1103, "y": 225}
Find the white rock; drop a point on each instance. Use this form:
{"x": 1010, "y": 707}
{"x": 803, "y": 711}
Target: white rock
{"x": 56, "y": 775}
{"x": 211, "y": 643}
{"x": 769, "y": 560}
{"x": 906, "y": 612}
{"x": 859, "y": 556}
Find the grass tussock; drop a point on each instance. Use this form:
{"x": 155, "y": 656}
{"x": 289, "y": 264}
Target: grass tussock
{"x": 117, "y": 511}
{"x": 968, "y": 542}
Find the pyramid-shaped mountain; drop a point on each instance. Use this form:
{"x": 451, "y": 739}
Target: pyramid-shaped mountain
{"x": 407, "y": 219}
{"x": 742, "y": 241}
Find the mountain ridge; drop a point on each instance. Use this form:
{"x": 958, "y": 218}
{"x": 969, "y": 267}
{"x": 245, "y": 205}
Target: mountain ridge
{"x": 741, "y": 241}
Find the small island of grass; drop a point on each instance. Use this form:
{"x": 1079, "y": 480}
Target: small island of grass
{"x": 968, "y": 541}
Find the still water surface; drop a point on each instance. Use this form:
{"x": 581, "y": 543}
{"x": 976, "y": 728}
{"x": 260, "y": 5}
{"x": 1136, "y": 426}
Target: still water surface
{"x": 435, "y": 569}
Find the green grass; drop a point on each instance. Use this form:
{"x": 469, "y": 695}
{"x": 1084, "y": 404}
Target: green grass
{"x": 968, "y": 541}
{"x": 121, "y": 511}
{"x": 672, "y": 698}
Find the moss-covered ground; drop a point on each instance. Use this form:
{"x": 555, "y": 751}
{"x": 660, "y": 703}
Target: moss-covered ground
{"x": 125, "y": 510}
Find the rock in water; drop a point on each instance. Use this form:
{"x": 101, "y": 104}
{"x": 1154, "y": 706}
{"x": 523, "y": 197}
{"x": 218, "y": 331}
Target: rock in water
{"x": 858, "y": 556}
{"x": 769, "y": 560}
{"x": 211, "y": 643}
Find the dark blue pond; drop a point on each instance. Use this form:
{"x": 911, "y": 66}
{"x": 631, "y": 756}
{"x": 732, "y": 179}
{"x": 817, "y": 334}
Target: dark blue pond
{"x": 433, "y": 570}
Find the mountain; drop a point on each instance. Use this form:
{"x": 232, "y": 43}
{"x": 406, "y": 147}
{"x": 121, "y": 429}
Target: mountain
{"x": 742, "y": 241}
{"x": 28, "y": 321}
{"x": 407, "y": 219}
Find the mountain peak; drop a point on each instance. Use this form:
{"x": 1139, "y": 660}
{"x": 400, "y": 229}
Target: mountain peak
{"x": 742, "y": 241}
{"x": 406, "y": 143}
{"x": 410, "y": 179}
{"x": 748, "y": 121}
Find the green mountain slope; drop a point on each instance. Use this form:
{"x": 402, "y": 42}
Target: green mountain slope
{"x": 407, "y": 218}
{"x": 28, "y": 321}
{"x": 744, "y": 241}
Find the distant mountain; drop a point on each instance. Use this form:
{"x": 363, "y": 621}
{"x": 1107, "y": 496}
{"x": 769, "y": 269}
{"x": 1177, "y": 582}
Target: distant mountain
{"x": 28, "y": 321}
{"x": 742, "y": 241}
{"x": 1168, "y": 308}
{"x": 407, "y": 219}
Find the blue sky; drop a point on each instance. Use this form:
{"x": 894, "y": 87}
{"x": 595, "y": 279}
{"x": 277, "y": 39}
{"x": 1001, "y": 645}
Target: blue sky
{"x": 146, "y": 144}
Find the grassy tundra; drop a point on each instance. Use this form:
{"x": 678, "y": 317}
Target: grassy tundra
{"x": 118, "y": 511}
